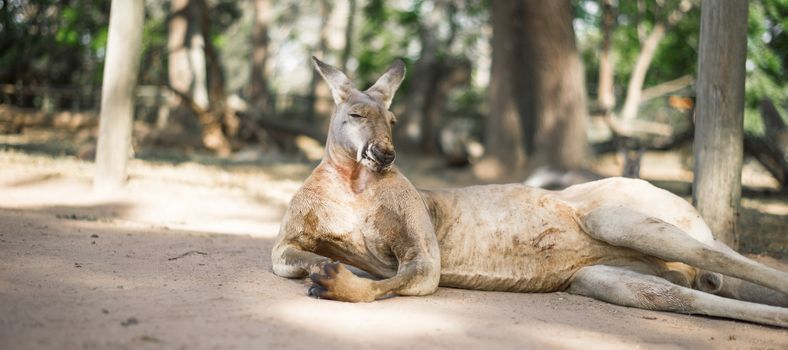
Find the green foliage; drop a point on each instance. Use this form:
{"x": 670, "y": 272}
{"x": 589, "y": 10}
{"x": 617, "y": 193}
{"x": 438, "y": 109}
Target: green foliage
{"x": 46, "y": 42}
{"x": 676, "y": 55}
{"x": 67, "y": 32}
{"x": 767, "y": 72}
{"x": 154, "y": 47}
{"x": 62, "y": 43}
{"x": 381, "y": 45}
{"x": 388, "y": 32}
{"x": 678, "y": 51}
{"x": 223, "y": 14}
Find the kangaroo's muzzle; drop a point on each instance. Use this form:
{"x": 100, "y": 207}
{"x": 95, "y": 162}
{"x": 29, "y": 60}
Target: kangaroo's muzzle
{"x": 382, "y": 155}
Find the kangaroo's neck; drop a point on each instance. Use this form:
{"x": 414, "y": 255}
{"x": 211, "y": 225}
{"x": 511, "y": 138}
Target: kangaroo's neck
{"x": 345, "y": 170}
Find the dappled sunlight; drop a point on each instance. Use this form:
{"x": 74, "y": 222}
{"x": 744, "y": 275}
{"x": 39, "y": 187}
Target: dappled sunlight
{"x": 775, "y": 206}
{"x": 559, "y": 336}
{"x": 188, "y": 196}
{"x": 395, "y": 320}
{"x": 471, "y": 319}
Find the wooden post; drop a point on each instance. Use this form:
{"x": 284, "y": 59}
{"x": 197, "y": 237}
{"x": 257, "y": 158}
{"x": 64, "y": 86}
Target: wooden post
{"x": 117, "y": 93}
{"x": 720, "y": 114}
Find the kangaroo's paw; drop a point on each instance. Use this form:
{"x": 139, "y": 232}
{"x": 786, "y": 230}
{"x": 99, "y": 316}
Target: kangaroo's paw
{"x": 336, "y": 282}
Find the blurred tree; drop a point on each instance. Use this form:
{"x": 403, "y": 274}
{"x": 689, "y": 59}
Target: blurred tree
{"x": 765, "y": 68}
{"x": 663, "y": 22}
{"x": 42, "y": 41}
{"x": 422, "y": 76}
{"x": 437, "y": 40}
{"x": 606, "y": 98}
{"x": 554, "y": 114}
{"x": 258, "y": 87}
{"x": 186, "y": 64}
{"x": 504, "y": 142}
{"x": 349, "y": 27}
{"x": 186, "y": 69}
{"x": 382, "y": 44}
{"x": 650, "y": 42}
{"x": 767, "y": 60}
{"x": 117, "y": 97}
{"x": 435, "y": 73}
{"x": 220, "y": 111}
{"x": 538, "y": 79}
{"x": 196, "y": 75}
{"x": 318, "y": 90}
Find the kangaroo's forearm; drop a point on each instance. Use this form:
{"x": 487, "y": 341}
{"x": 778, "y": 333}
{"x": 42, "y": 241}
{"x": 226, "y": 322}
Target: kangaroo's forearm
{"x": 414, "y": 278}
{"x": 291, "y": 262}
{"x": 338, "y": 283}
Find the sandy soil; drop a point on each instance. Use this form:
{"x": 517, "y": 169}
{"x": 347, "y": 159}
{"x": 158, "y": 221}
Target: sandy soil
{"x": 181, "y": 259}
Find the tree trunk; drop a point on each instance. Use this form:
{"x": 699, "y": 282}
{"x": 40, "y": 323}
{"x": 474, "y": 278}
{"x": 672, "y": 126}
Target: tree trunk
{"x": 117, "y": 93}
{"x": 178, "y": 66}
{"x": 197, "y": 45}
{"x": 187, "y": 68}
{"x": 537, "y": 90}
{"x": 448, "y": 75}
{"x": 553, "y": 97}
{"x": 504, "y": 147}
{"x": 348, "y": 49}
{"x": 424, "y": 79}
{"x": 221, "y": 112}
{"x": 606, "y": 98}
{"x": 769, "y": 156}
{"x": 188, "y": 44}
{"x": 775, "y": 130}
{"x": 772, "y": 149}
{"x": 719, "y": 122}
{"x": 258, "y": 87}
{"x": 318, "y": 90}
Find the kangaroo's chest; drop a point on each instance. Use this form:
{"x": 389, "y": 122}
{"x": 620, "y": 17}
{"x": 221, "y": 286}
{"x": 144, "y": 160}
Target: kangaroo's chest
{"x": 348, "y": 232}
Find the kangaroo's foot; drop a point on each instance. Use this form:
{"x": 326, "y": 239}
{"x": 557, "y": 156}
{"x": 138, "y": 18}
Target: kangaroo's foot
{"x": 336, "y": 282}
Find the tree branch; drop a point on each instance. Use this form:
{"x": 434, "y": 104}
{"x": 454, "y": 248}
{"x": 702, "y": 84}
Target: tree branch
{"x": 665, "y": 88}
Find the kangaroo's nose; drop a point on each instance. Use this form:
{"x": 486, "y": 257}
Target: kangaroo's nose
{"x": 383, "y": 154}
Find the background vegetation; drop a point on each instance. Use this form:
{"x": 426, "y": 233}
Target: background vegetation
{"x": 52, "y": 55}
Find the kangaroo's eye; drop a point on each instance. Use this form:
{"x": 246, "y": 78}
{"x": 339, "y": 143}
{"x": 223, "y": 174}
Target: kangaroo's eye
{"x": 354, "y": 115}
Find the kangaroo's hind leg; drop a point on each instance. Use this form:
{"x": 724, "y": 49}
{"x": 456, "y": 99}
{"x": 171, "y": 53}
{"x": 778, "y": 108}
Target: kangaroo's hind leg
{"x": 621, "y": 286}
{"x": 731, "y": 287}
{"x": 629, "y": 228}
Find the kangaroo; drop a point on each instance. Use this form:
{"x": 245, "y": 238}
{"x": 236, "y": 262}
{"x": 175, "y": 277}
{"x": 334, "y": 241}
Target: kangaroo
{"x": 618, "y": 240}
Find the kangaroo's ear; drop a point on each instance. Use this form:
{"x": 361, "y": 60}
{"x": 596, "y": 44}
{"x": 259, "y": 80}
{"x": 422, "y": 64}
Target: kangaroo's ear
{"x": 386, "y": 86}
{"x": 337, "y": 81}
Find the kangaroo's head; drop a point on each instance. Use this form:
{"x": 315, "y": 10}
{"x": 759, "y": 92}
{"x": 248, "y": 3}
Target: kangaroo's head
{"x": 360, "y": 127}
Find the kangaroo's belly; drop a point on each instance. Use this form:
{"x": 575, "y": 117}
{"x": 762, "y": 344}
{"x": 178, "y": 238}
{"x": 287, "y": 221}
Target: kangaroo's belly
{"x": 512, "y": 238}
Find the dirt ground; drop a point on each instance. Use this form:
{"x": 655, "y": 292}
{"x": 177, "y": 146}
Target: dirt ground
{"x": 181, "y": 259}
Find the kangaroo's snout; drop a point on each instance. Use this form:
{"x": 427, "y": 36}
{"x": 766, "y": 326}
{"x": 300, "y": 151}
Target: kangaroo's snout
{"x": 384, "y": 154}
{"x": 381, "y": 154}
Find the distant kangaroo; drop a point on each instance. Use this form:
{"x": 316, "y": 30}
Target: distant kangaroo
{"x": 619, "y": 240}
